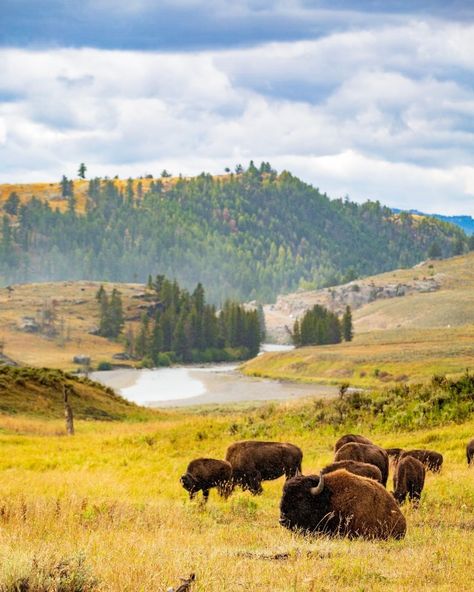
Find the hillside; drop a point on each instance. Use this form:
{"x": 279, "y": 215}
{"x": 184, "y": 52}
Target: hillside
{"x": 40, "y": 392}
{"x": 409, "y": 324}
{"x": 436, "y": 293}
{"x": 72, "y": 314}
{"x": 466, "y": 223}
{"x": 246, "y": 236}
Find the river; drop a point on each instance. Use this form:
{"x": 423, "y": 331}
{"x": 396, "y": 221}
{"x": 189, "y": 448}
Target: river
{"x": 194, "y": 385}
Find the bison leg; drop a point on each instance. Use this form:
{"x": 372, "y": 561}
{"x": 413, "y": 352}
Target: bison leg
{"x": 205, "y": 495}
{"x": 225, "y": 489}
{"x": 255, "y": 483}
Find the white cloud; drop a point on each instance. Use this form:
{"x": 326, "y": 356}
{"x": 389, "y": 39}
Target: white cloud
{"x": 384, "y": 113}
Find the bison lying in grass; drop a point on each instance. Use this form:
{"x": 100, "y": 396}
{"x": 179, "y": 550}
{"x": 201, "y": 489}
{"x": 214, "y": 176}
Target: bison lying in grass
{"x": 341, "y": 503}
{"x": 357, "y": 468}
{"x": 408, "y": 480}
{"x": 204, "y": 473}
{"x": 367, "y": 453}
{"x": 253, "y": 462}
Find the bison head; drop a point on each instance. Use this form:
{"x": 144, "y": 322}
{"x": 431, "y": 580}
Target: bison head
{"x": 305, "y": 504}
{"x": 188, "y": 482}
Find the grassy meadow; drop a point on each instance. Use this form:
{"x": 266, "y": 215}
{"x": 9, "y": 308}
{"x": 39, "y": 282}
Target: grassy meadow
{"x": 374, "y": 359}
{"x": 104, "y": 510}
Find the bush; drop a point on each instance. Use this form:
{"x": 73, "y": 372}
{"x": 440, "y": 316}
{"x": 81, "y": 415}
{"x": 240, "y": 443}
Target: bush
{"x": 104, "y": 365}
{"x": 20, "y": 574}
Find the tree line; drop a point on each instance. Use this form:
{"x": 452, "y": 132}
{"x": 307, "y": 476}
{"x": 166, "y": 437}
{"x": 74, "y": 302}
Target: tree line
{"x": 249, "y": 235}
{"x": 320, "y": 326}
{"x": 180, "y": 326}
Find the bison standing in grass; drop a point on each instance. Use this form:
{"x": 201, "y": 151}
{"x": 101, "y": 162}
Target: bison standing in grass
{"x": 432, "y": 460}
{"x": 351, "y": 438}
{"x": 357, "y": 468}
{"x": 470, "y": 452}
{"x": 253, "y": 462}
{"x": 341, "y": 503}
{"x": 204, "y": 473}
{"x": 367, "y": 453}
{"x": 408, "y": 480}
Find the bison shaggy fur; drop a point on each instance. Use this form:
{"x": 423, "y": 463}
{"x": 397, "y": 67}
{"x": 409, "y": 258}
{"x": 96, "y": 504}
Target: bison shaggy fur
{"x": 470, "y": 452}
{"x": 367, "y": 453}
{"x": 341, "y": 503}
{"x": 204, "y": 473}
{"x": 253, "y": 462}
{"x": 432, "y": 460}
{"x": 351, "y": 438}
{"x": 408, "y": 480}
{"x": 357, "y": 468}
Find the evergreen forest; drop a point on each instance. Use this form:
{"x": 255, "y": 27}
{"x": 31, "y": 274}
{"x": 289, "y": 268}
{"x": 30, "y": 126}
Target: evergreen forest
{"x": 180, "y": 326}
{"x": 248, "y": 235}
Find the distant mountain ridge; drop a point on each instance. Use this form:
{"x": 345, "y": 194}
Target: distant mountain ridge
{"x": 249, "y": 235}
{"x": 464, "y": 222}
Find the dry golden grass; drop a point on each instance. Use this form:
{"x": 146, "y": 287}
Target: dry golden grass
{"x": 77, "y": 312}
{"x": 375, "y": 358}
{"x": 112, "y": 494}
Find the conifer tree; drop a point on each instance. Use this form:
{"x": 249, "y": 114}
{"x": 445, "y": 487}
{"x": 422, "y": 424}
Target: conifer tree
{"x": 347, "y": 330}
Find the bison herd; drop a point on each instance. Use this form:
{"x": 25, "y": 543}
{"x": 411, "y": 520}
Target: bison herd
{"x": 348, "y": 497}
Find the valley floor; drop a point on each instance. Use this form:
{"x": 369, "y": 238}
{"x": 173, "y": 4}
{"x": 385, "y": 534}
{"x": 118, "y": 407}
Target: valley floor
{"x": 110, "y": 498}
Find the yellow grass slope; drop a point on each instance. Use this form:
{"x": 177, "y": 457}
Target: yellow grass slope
{"x": 451, "y": 305}
{"x": 76, "y": 313}
{"x": 402, "y": 339}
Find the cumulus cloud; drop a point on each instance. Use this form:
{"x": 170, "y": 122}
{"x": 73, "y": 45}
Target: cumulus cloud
{"x": 382, "y": 113}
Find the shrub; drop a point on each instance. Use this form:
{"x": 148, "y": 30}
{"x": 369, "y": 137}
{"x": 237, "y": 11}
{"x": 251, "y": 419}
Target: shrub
{"x": 104, "y": 365}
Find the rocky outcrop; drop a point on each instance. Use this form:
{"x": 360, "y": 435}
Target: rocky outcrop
{"x": 279, "y": 317}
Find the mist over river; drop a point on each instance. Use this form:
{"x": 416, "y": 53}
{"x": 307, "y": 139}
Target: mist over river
{"x": 195, "y": 385}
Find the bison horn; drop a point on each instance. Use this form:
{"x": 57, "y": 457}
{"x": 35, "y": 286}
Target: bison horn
{"x": 319, "y": 488}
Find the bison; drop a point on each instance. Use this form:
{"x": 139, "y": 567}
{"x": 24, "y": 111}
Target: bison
{"x": 409, "y": 479}
{"x": 341, "y": 503}
{"x": 253, "y": 462}
{"x": 350, "y": 438}
{"x": 367, "y": 453}
{"x": 394, "y": 452}
{"x": 470, "y": 452}
{"x": 357, "y": 468}
{"x": 204, "y": 473}
{"x": 431, "y": 459}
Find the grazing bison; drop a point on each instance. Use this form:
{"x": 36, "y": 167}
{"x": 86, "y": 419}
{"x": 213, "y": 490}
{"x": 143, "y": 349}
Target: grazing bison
{"x": 357, "y": 468}
{"x": 253, "y": 462}
{"x": 470, "y": 452}
{"x": 350, "y": 438}
{"x": 341, "y": 503}
{"x": 409, "y": 479}
{"x": 394, "y": 453}
{"x": 204, "y": 473}
{"x": 367, "y": 453}
{"x": 431, "y": 459}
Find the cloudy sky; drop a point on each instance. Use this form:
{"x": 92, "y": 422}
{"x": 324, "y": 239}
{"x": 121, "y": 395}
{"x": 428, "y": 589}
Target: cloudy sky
{"x": 354, "y": 97}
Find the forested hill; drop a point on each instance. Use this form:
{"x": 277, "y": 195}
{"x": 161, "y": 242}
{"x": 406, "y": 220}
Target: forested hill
{"x": 249, "y": 235}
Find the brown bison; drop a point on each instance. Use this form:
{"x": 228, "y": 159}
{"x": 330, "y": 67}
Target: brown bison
{"x": 357, "y": 468}
{"x": 394, "y": 452}
{"x": 409, "y": 479}
{"x": 253, "y": 462}
{"x": 341, "y": 503}
{"x": 350, "y": 438}
{"x": 432, "y": 460}
{"x": 367, "y": 453}
{"x": 470, "y": 452}
{"x": 204, "y": 473}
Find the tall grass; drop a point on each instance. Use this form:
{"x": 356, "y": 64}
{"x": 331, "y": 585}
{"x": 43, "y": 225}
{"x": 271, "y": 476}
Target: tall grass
{"x": 108, "y": 507}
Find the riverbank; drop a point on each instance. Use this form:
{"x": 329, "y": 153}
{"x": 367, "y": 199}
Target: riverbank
{"x": 186, "y": 386}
